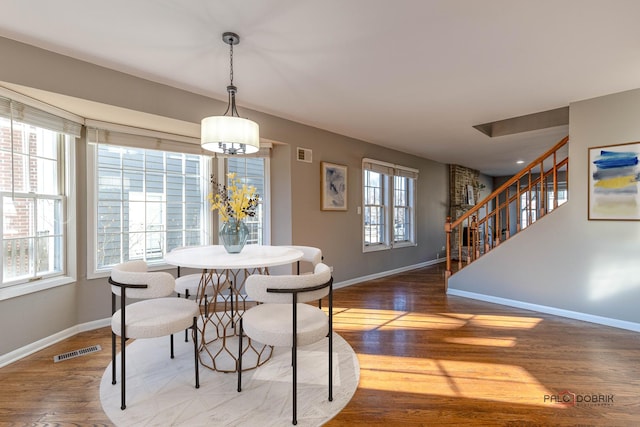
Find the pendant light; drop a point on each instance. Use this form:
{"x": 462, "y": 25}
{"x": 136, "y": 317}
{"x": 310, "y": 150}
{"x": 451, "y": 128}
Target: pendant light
{"x": 230, "y": 133}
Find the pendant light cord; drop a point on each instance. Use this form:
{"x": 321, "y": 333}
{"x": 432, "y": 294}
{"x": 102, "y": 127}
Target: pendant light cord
{"x": 231, "y": 63}
{"x": 231, "y": 89}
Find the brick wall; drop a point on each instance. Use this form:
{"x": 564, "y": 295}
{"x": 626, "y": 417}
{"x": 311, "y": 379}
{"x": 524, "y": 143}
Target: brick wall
{"x": 459, "y": 178}
{"x": 16, "y": 221}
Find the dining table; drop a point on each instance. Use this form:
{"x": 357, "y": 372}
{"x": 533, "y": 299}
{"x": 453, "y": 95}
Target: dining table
{"x": 227, "y": 272}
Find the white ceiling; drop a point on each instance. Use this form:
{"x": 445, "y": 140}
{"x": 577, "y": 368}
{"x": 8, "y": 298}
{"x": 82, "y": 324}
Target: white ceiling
{"x": 414, "y": 75}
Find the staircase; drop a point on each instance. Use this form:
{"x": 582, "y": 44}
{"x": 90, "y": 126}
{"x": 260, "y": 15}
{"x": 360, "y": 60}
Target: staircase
{"x": 529, "y": 195}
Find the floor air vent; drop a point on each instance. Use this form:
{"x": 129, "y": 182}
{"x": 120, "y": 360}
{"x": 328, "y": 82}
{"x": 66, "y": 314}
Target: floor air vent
{"x": 76, "y": 353}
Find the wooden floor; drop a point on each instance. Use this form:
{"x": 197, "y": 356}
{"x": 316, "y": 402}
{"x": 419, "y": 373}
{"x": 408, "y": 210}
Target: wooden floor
{"x": 426, "y": 359}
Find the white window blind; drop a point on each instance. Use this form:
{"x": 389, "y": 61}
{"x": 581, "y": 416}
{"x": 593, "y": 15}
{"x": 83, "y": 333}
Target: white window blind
{"x": 129, "y": 136}
{"x": 405, "y": 172}
{"x": 378, "y": 166}
{"x": 20, "y": 112}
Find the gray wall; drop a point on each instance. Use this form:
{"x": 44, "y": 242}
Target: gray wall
{"x": 564, "y": 261}
{"x": 296, "y": 216}
{"x": 339, "y": 234}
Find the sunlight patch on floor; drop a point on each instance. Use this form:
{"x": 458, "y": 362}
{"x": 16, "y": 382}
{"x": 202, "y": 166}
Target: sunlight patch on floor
{"x": 361, "y": 319}
{"x": 505, "y": 322}
{"x": 472, "y": 380}
{"x": 486, "y": 342}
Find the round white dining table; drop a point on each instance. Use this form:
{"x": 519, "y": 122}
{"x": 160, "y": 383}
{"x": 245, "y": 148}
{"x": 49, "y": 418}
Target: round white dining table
{"x": 217, "y": 326}
{"x": 216, "y": 257}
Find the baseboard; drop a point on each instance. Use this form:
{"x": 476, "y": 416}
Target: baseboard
{"x": 600, "y": 320}
{"x": 18, "y": 354}
{"x": 345, "y": 283}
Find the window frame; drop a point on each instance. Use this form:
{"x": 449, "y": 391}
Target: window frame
{"x": 410, "y": 209}
{"x": 211, "y": 223}
{"x": 92, "y": 194}
{"x": 221, "y": 165}
{"x": 382, "y": 207}
{"x": 389, "y": 173}
{"x": 67, "y": 126}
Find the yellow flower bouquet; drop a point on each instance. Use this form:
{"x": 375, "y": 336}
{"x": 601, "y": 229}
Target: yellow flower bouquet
{"x": 234, "y": 202}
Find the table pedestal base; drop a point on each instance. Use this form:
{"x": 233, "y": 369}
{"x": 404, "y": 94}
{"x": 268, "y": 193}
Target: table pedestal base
{"x": 221, "y": 354}
{"x": 219, "y": 323}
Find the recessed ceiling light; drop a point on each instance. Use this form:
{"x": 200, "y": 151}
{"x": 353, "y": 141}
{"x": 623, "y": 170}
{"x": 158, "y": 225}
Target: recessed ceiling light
{"x": 520, "y": 162}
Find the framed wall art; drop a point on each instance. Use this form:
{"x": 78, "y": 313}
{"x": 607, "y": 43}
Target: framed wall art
{"x": 333, "y": 187}
{"x": 614, "y": 177}
{"x": 471, "y": 200}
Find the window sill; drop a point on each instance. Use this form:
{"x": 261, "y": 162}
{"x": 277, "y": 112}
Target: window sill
{"x": 375, "y": 248}
{"x": 404, "y": 245}
{"x": 29, "y": 288}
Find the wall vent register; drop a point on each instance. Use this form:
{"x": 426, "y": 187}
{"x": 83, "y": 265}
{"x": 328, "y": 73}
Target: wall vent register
{"x": 304, "y": 155}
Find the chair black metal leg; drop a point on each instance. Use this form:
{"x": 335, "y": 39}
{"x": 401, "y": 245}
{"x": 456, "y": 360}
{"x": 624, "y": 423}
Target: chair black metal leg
{"x": 113, "y": 358}
{"x": 194, "y": 330}
{"x": 294, "y": 352}
{"x": 331, "y": 341}
{"x": 123, "y": 346}
{"x": 295, "y": 388}
{"x": 330, "y": 367}
{"x": 171, "y": 339}
{"x": 186, "y": 296}
{"x": 240, "y": 358}
{"x": 123, "y": 377}
{"x": 113, "y": 342}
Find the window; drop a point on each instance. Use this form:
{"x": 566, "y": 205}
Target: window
{"x": 529, "y": 208}
{"x": 402, "y": 209}
{"x": 147, "y": 201}
{"x": 562, "y": 194}
{"x": 253, "y": 171}
{"x": 389, "y": 193}
{"x": 35, "y": 149}
{"x": 374, "y": 208}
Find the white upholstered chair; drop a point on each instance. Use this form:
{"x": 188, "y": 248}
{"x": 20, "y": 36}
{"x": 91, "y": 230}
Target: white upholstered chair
{"x": 312, "y": 256}
{"x": 309, "y": 254}
{"x": 284, "y": 320}
{"x": 156, "y": 315}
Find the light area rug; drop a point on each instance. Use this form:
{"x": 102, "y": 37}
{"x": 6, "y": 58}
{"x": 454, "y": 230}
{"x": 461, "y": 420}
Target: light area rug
{"x": 161, "y": 391}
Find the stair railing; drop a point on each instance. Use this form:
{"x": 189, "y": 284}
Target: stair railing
{"x": 530, "y": 194}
